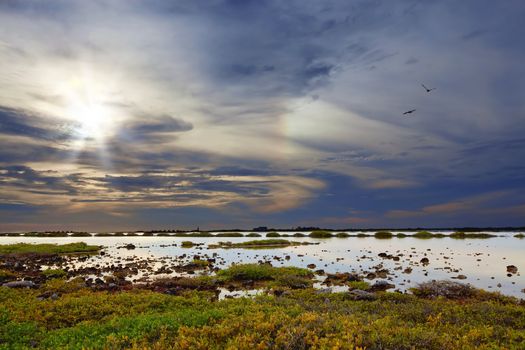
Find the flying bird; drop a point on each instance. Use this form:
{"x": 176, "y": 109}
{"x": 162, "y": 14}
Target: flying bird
{"x": 427, "y": 89}
{"x": 409, "y": 112}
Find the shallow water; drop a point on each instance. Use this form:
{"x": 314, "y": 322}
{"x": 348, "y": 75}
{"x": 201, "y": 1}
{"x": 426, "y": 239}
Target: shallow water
{"x": 482, "y": 261}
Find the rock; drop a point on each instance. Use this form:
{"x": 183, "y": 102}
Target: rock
{"x": 381, "y": 286}
{"x": 460, "y": 277}
{"x": 320, "y": 272}
{"x": 128, "y": 246}
{"x": 407, "y": 270}
{"x": 512, "y": 269}
{"x": 371, "y": 276}
{"x": 311, "y": 266}
{"x": 20, "y": 284}
{"x": 424, "y": 261}
{"x": 323, "y": 291}
{"x": 358, "y": 294}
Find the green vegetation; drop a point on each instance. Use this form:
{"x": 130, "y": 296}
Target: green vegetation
{"x": 6, "y": 275}
{"x": 320, "y": 234}
{"x": 187, "y": 244}
{"x": 229, "y": 234}
{"x": 259, "y": 243}
{"x": 201, "y": 263}
{"x": 519, "y": 235}
{"x": 104, "y": 234}
{"x": 383, "y": 234}
{"x": 46, "y": 234}
{"x": 362, "y": 235}
{"x": 199, "y": 234}
{"x": 362, "y": 285}
{"x": 401, "y": 235}
{"x": 464, "y": 235}
{"x": 427, "y": 235}
{"x": 253, "y": 234}
{"x": 273, "y": 234}
{"x": 299, "y": 234}
{"x": 261, "y": 272}
{"x": 139, "y": 319}
{"x": 342, "y": 235}
{"x": 80, "y": 234}
{"x": 79, "y": 247}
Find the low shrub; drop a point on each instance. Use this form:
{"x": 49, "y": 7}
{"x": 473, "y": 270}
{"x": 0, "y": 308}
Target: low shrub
{"x": 273, "y": 234}
{"x": 383, "y": 234}
{"x": 320, "y": 234}
{"x": 229, "y": 234}
{"x": 79, "y": 247}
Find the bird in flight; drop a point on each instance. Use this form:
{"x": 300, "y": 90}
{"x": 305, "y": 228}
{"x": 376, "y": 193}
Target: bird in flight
{"x": 409, "y": 112}
{"x": 427, "y": 89}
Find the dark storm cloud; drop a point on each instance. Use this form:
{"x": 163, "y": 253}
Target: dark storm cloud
{"x": 38, "y": 182}
{"x": 22, "y": 123}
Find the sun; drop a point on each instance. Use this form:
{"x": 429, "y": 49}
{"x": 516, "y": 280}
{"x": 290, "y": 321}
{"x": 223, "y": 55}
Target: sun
{"x": 93, "y": 119}
{"x": 87, "y": 108}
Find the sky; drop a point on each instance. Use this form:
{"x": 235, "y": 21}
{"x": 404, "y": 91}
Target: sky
{"x": 130, "y": 115}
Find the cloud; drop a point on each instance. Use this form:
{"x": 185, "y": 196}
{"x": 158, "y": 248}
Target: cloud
{"x": 268, "y": 106}
{"x": 454, "y": 208}
{"x": 23, "y": 123}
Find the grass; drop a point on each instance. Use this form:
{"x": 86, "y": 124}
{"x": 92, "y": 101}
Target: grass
{"x": 258, "y": 272}
{"x": 342, "y": 235}
{"x": 199, "y": 234}
{"x": 464, "y": 235}
{"x": 187, "y": 244}
{"x": 253, "y": 234}
{"x": 80, "y": 234}
{"x": 320, "y": 234}
{"x": 519, "y": 235}
{"x": 362, "y": 235}
{"x": 427, "y": 235}
{"x": 46, "y": 234}
{"x": 6, "y": 275}
{"x": 229, "y": 234}
{"x": 383, "y": 234}
{"x": 273, "y": 234}
{"x": 79, "y": 247}
{"x": 362, "y": 285}
{"x": 303, "y": 319}
{"x": 259, "y": 243}
{"x": 54, "y": 273}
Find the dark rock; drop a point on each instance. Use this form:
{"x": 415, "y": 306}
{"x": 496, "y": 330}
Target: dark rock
{"x": 381, "y": 286}
{"x": 371, "y": 276}
{"x": 460, "y": 277}
{"x": 424, "y": 261}
{"x": 20, "y": 284}
{"x": 512, "y": 269}
{"x": 358, "y": 294}
{"x": 311, "y": 266}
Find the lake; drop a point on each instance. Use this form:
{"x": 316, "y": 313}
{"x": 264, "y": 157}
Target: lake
{"x": 480, "y": 262}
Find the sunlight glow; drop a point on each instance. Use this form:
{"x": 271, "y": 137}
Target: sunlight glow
{"x": 93, "y": 119}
